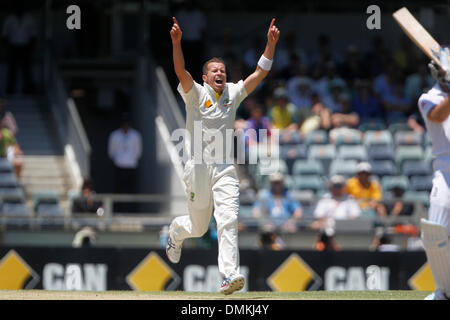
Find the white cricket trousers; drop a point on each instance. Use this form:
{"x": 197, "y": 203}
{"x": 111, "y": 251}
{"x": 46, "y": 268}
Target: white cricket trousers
{"x": 211, "y": 188}
{"x": 439, "y": 211}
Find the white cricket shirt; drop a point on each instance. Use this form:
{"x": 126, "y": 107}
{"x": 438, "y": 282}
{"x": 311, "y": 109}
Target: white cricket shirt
{"x": 213, "y": 117}
{"x": 439, "y": 134}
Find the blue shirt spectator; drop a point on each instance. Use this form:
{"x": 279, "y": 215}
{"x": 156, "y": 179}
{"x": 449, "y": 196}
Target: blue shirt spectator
{"x": 278, "y": 206}
{"x": 364, "y": 103}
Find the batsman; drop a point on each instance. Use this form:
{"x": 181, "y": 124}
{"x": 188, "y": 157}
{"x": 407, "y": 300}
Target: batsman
{"x": 434, "y": 106}
{"x": 213, "y": 186}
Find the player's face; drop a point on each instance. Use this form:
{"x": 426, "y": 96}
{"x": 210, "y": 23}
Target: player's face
{"x": 216, "y": 76}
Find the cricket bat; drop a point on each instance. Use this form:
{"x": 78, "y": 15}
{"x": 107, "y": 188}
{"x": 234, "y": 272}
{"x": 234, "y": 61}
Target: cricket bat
{"x": 417, "y": 33}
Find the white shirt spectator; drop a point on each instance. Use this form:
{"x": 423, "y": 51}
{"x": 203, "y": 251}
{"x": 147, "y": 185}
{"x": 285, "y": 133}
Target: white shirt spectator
{"x": 19, "y": 31}
{"x": 342, "y": 209}
{"x": 125, "y": 149}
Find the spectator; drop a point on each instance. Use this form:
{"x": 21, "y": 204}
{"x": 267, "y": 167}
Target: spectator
{"x": 252, "y": 54}
{"x": 288, "y": 50}
{"x": 364, "y": 103}
{"x": 19, "y": 33}
{"x": 367, "y": 192}
{"x": 256, "y": 122}
{"x": 270, "y": 240}
{"x": 377, "y": 58}
{"x": 278, "y": 206}
{"x": 193, "y": 22}
{"x": 282, "y": 114}
{"x": 299, "y": 91}
{"x": 7, "y": 119}
{"x": 416, "y": 123}
{"x": 10, "y": 149}
{"x": 314, "y": 118}
{"x": 323, "y": 85}
{"x": 125, "y": 149}
{"x": 84, "y": 203}
{"x": 397, "y": 104}
{"x": 344, "y": 121}
{"x": 325, "y": 52}
{"x": 325, "y": 241}
{"x": 418, "y": 82}
{"x": 384, "y": 84}
{"x": 394, "y": 204}
{"x": 382, "y": 242}
{"x": 333, "y": 100}
{"x": 335, "y": 205}
{"x": 353, "y": 67}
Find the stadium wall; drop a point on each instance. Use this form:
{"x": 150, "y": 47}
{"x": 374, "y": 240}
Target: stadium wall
{"x": 100, "y": 269}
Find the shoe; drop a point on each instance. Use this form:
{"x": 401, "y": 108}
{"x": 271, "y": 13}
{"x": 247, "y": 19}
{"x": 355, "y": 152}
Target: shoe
{"x": 173, "y": 250}
{"x": 437, "y": 295}
{"x": 232, "y": 284}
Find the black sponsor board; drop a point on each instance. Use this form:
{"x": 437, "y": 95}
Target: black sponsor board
{"x": 99, "y": 269}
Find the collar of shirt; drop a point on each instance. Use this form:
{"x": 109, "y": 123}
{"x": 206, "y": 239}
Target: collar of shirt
{"x": 213, "y": 93}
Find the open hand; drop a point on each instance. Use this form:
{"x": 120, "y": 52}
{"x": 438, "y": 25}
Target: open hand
{"x": 175, "y": 32}
{"x": 273, "y": 34}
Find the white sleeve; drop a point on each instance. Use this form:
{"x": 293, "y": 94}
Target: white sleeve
{"x": 192, "y": 97}
{"x": 240, "y": 92}
{"x": 425, "y": 104}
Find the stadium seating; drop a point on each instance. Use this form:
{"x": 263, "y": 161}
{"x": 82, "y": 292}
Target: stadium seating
{"x": 8, "y": 180}
{"x": 426, "y": 140}
{"x": 401, "y": 126}
{"x": 346, "y": 168}
{"x": 307, "y": 167}
{"x": 427, "y": 155}
{"x": 407, "y": 138}
{"x": 245, "y": 211}
{"x": 308, "y": 182}
{"x": 46, "y": 203}
{"x": 348, "y": 152}
{"x": 350, "y": 137}
{"x": 416, "y": 168}
{"x": 323, "y": 153}
{"x": 372, "y": 125}
{"x": 404, "y": 153}
{"x": 291, "y": 153}
{"x": 381, "y": 152}
{"x": 383, "y": 168}
{"x": 305, "y": 197}
{"x": 290, "y": 137}
{"x": 316, "y": 137}
{"x": 389, "y": 182}
{"x": 421, "y": 183}
{"x": 422, "y": 197}
{"x": 380, "y": 137}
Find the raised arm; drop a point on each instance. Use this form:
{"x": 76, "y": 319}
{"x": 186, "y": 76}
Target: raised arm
{"x": 253, "y": 80}
{"x": 183, "y": 75}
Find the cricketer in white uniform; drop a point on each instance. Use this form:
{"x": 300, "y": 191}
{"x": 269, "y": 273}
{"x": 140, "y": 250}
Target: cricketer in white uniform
{"x": 213, "y": 186}
{"x": 434, "y": 106}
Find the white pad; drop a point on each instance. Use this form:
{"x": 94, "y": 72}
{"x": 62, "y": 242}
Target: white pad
{"x": 437, "y": 249}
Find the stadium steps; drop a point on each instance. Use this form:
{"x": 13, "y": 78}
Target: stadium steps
{"x": 37, "y": 132}
{"x": 44, "y": 164}
{"x": 42, "y": 173}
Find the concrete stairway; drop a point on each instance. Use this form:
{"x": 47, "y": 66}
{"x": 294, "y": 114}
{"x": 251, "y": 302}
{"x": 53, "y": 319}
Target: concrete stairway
{"x": 45, "y": 172}
{"x": 44, "y": 166}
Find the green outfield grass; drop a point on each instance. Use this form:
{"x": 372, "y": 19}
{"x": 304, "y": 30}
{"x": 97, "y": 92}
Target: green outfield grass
{"x": 181, "y": 295}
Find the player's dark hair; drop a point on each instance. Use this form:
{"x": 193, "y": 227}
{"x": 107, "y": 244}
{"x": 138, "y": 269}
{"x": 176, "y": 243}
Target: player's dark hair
{"x": 215, "y": 59}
